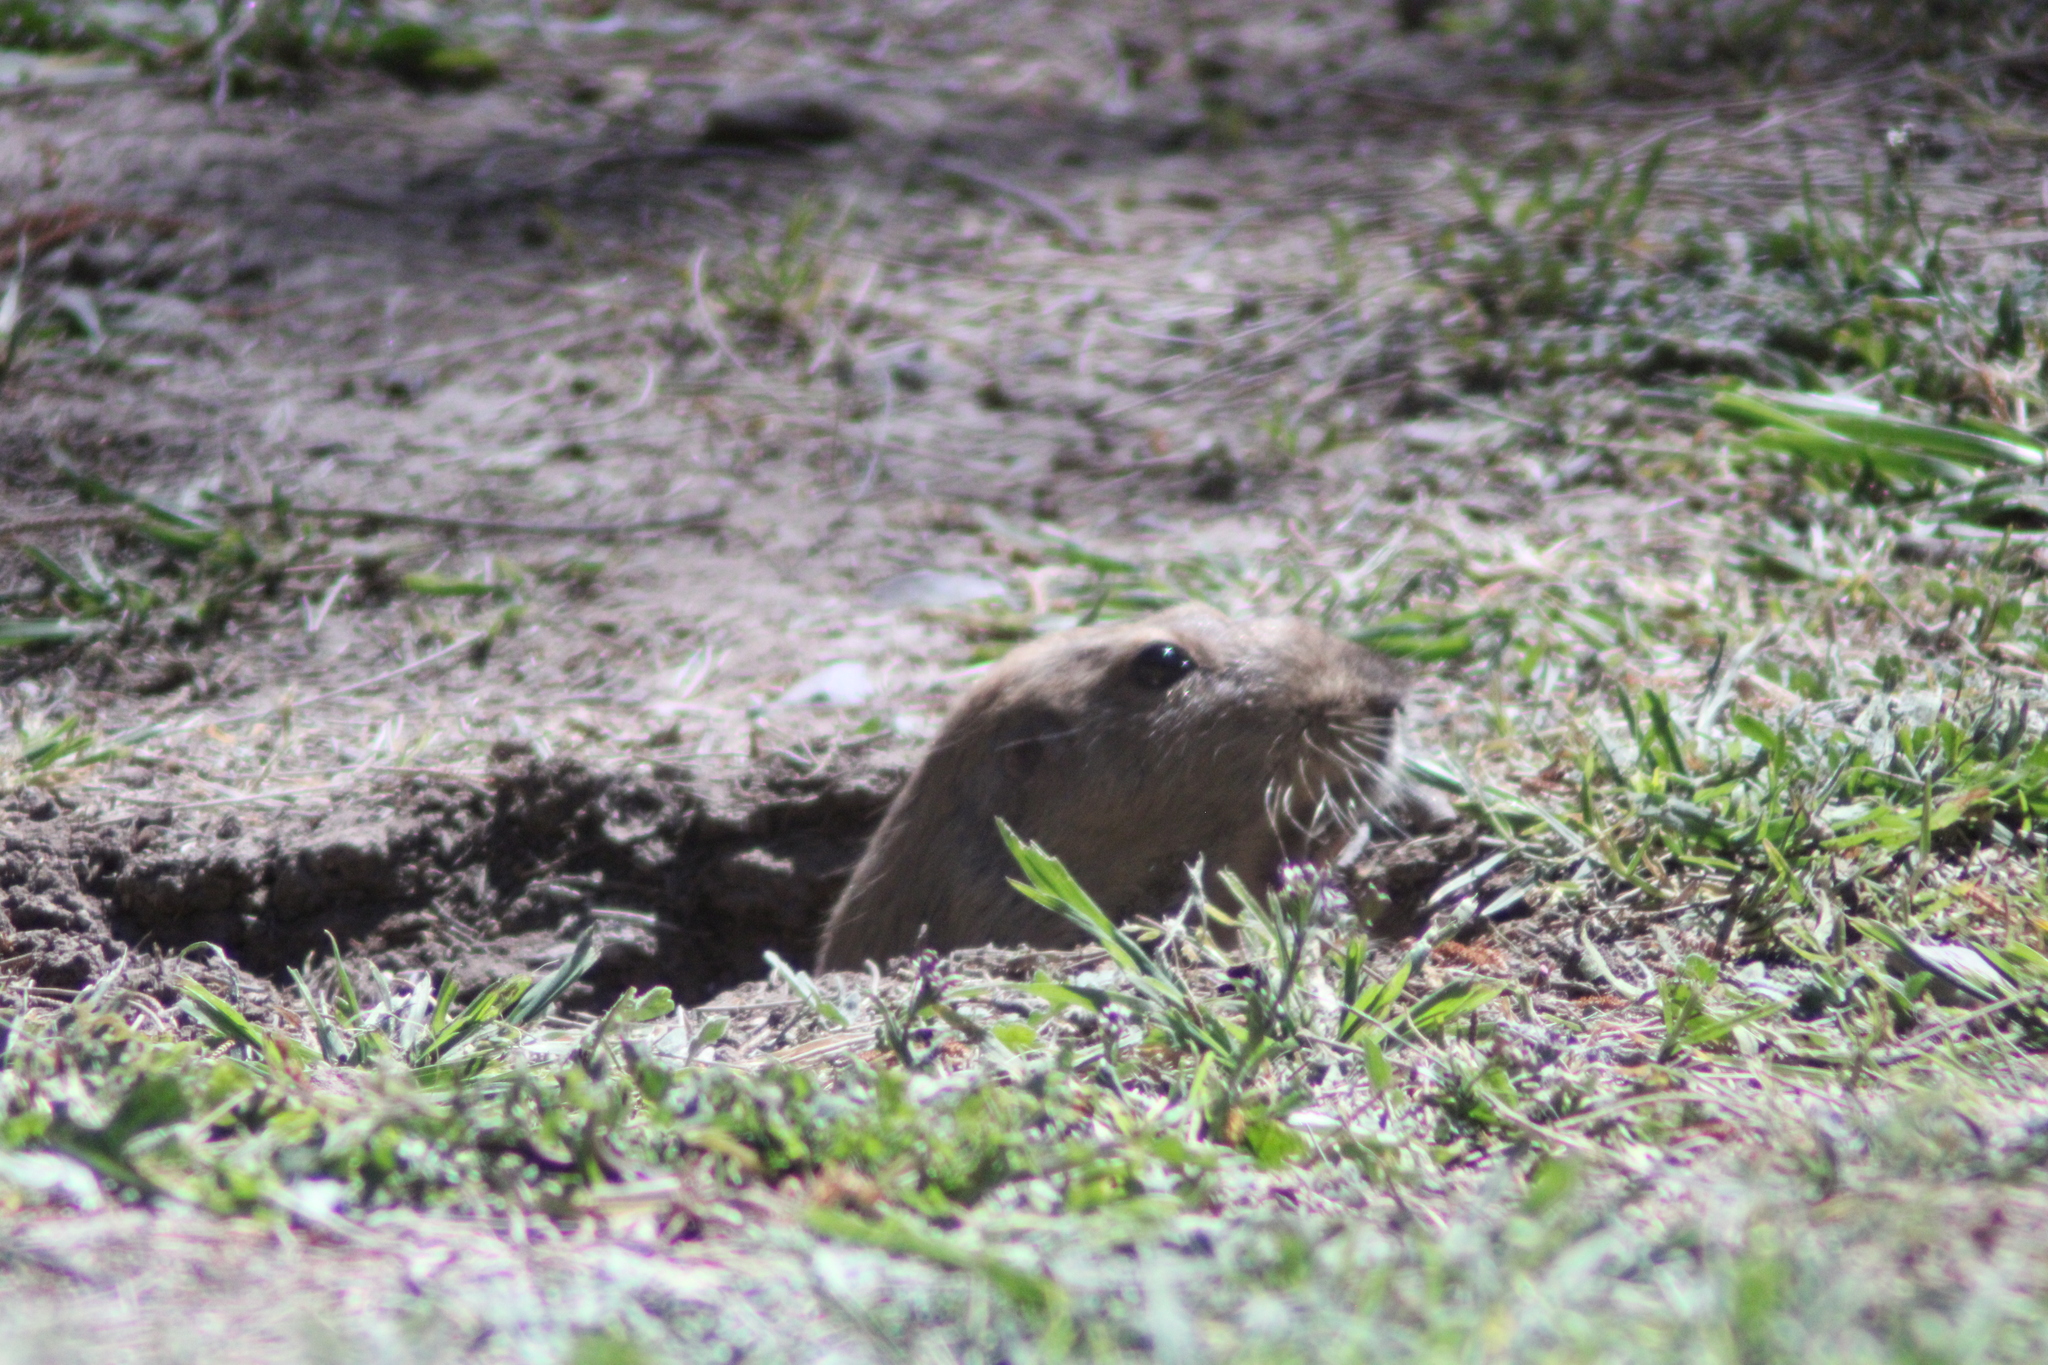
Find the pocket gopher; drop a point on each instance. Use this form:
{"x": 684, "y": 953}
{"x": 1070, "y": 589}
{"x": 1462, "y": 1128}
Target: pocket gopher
{"x": 1128, "y": 751}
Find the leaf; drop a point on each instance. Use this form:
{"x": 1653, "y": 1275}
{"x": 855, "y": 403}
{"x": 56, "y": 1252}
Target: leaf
{"x": 441, "y": 585}
{"x": 486, "y": 1008}
{"x": 1015, "y": 1035}
{"x": 185, "y": 539}
{"x": 807, "y": 991}
{"x": 1420, "y": 636}
{"x": 1052, "y": 886}
{"x": 1841, "y": 431}
{"x": 1445, "y": 1007}
{"x": 653, "y": 1004}
{"x": 1376, "y": 1003}
{"x": 1376, "y": 1068}
{"x": 443, "y": 1002}
{"x": 1661, "y": 726}
{"x": 347, "y": 1007}
{"x": 46, "y": 631}
{"x": 223, "y": 1018}
{"x": 1272, "y": 1143}
{"x": 1062, "y": 996}
{"x": 1754, "y": 730}
{"x": 708, "y": 1033}
{"x": 1082, "y": 558}
{"x": 541, "y": 995}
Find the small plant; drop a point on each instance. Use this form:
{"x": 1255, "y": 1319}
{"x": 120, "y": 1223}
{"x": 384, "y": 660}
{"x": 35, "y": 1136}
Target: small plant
{"x": 202, "y": 568}
{"x": 775, "y": 286}
{"x": 1559, "y": 250}
{"x": 1239, "y": 1050}
{"x": 422, "y": 57}
{"x": 49, "y": 749}
{"x": 1690, "y": 1021}
{"x": 49, "y": 26}
{"x": 418, "y": 1026}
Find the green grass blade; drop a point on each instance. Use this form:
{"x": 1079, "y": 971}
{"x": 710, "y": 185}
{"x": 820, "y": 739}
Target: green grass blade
{"x": 542, "y": 994}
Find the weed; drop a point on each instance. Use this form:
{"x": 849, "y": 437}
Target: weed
{"x": 1752, "y": 37}
{"x": 774, "y": 287}
{"x": 1558, "y": 250}
{"x": 65, "y": 745}
{"x": 421, "y": 56}
{"x": 183, "y": 575}
{"x": 1234, "y": 1051}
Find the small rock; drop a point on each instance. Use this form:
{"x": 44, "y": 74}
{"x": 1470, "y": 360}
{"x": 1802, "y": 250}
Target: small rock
{"x": 845, "y": 683}
{"x": 164, "y": 315}
{"x": 1929, "y": 550}
{"x": 403, "y": 384}
{"x": 933, "y": 588}
{"x": 780, "y": 119}
{"x": 1217, "y": 474}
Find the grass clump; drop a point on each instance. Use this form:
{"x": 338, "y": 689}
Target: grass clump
{"x": 1754, "y": 40}
{"x": 775, "y": 287}
{"x": 258, "y": 49}
{"x": 424, "y": 58}
{"x": 1115, "y": 1163}
{"x": 179, "y": 576}
{"x": 33, "y": 26}
{"x": 1582, "y": 265}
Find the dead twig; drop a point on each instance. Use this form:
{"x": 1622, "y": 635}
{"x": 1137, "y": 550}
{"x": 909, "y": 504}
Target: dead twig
{"x": 222, "y": 58}
{"x": 554, "y": 324}
{"x": 1043, "y": 205}
{"x": 29, "y": 235}
{"x": 704, "y": 519}
{"x": 14, "y": 530}
{"x": 710, "y": 322}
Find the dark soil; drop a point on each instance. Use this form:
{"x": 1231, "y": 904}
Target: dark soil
{"x": 685, "y": 881}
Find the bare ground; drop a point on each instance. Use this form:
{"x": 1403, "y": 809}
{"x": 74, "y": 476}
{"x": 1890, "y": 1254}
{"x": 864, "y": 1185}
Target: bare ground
{"x": 1072, "y": 283}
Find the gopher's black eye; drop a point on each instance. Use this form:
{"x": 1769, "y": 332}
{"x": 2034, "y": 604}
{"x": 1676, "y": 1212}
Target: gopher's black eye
{"x": 1160, "y": 666}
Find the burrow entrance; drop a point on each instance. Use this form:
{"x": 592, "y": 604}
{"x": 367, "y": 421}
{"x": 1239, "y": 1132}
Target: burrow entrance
{"x": 687, "y": 880}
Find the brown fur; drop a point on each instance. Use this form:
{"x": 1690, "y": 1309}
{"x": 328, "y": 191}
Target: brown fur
{"x": 1270, "y": 750}
{"x": 1127, "y": 783}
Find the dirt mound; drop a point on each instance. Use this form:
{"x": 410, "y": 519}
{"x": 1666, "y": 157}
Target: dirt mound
{"x": 57, "y": 939}
{"x": 687, "y": 879}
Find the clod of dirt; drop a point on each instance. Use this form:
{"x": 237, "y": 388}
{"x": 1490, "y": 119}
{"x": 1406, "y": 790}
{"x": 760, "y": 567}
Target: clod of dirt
{"x": 56, "y": 939}
{"x": 50, "y": 931}
{"x": 1215, "y": 475}
{"x": 404, "y": 384}
{"x": 1390, "y": 884}
{"x": 780, "y": 119}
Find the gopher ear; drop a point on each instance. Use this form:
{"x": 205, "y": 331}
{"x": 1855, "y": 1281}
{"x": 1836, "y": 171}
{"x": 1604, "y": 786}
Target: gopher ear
{"x": 1023, "y": 745}
{"x": 1021, "y": 757}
